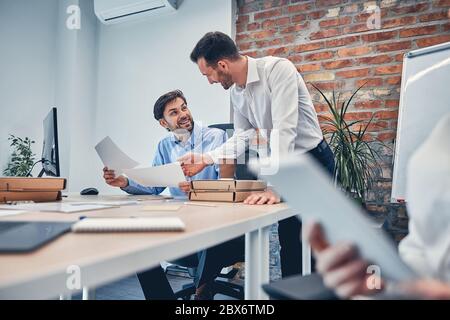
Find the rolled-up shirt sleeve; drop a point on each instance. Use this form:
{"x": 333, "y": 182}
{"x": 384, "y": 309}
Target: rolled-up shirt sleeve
{"x": 138, "y": 189}
{"x": 238, "y": 143}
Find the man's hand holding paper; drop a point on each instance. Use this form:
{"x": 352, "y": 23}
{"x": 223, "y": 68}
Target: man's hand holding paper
{"x": 116, "y": 162}
{"x": 113, "y": 180}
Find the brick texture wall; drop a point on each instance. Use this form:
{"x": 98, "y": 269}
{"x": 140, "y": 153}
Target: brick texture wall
{"x": 338, "y": 45}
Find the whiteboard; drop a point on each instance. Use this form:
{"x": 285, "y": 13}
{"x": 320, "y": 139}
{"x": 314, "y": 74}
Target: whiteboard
{"x": 424, "y": 99}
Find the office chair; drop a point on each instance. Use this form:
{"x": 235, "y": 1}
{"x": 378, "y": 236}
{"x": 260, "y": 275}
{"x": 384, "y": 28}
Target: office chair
{"x": 222, "y": 284}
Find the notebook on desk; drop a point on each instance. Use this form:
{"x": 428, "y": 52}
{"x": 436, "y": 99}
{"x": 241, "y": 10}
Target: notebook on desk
{"x": 129, "y": 224}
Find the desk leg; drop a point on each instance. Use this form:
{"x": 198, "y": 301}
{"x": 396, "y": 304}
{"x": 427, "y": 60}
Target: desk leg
{"x": 306, "y": 254}
{"x": 251, "y": 265}
{"x": 264, "y": 261}
{"x": 88, "y": 293}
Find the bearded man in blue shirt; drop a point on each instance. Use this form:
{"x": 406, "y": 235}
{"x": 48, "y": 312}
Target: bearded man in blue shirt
{"x": 172, "y": 113}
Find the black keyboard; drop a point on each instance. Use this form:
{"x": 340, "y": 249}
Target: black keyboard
{"x": 8, "y": 225}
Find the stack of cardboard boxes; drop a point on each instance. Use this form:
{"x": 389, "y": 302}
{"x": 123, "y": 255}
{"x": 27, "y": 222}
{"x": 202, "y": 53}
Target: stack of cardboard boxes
{"x": 31, "y": 189}
{"x": 225, "y": 190}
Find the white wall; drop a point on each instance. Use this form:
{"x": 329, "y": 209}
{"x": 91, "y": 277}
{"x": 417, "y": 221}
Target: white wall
{"x": 103, "y": 79}
{"x": 27, "y": 75}
{"x": 76, "y": 90}
{"x": 139, "y": 61}
{"x": 46, "y": 64}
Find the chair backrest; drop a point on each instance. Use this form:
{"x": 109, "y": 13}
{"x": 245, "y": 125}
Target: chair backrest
{"x": 242, "y": 172}
{"x": 227, "y": 127}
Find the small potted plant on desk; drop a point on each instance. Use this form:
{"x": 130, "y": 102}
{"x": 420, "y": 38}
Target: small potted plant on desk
{"x": 22, "y": 157}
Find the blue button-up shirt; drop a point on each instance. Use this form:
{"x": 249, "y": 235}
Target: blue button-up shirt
{"x": 202, "y": 139}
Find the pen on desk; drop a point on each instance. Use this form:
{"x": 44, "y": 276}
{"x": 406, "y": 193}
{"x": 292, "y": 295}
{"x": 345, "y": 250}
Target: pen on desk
{"x": 200, "y": 204}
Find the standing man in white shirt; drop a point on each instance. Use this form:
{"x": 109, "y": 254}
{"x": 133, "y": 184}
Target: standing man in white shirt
{"x": 269, "y": 98}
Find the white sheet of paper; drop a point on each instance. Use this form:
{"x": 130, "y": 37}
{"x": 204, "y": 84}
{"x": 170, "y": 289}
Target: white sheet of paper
{"x": 6, "y": 213}
{"x": 113, "y": 157}
{"x": 162, "y": 208}
{"x": 168, "y": 175}
{"x": 56, "y": 207}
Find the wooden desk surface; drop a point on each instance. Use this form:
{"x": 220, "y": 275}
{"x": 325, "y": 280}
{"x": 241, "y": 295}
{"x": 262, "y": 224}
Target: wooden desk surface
{"x": 104, "y": 257}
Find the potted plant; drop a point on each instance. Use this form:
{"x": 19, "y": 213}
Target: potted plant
{"x": 355, "y": 158}
{"x": 22, "y": 157}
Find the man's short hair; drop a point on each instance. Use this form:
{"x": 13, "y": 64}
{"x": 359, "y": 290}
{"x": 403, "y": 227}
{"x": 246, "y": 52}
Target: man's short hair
{"x": 164, "y": 100}
{"x": 215, "y": 46}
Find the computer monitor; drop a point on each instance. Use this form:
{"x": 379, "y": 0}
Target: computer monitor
{"x": 50, "y": 150}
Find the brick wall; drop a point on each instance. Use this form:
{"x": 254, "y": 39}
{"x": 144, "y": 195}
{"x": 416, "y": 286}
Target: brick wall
{"x": 338, "y": 45}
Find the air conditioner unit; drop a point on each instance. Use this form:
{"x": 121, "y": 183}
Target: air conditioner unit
{"x": 115, "y": 11}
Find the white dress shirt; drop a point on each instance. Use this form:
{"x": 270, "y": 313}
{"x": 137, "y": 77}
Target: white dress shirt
{"x": 427, "y": 246}
{"x": 275, "y": 101}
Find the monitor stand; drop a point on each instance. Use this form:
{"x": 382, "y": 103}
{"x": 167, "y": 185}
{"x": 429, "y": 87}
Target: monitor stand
{"x": 41, "y": 173}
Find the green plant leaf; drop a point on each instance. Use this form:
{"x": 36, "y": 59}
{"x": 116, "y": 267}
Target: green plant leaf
{"x": 22, "y": 157}
{"x": 355, "y": 158}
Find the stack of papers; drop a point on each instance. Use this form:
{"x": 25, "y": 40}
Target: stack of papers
{"x": 55, "y": 207}
{"x": 172, "y": 207}
{"x": 117, "y": 203}
{"x": 7, "y": 213}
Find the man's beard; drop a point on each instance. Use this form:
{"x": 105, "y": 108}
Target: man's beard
{"x": 182, "y": 132}
{"x": 190, "y": 124}
{"x": 225, "y": 80}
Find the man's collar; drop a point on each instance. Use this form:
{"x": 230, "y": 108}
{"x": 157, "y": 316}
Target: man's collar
{"x": 252, "y": 71}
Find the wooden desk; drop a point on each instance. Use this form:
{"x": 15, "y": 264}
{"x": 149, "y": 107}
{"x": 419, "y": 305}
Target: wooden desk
{"x": 103, "y": 258}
